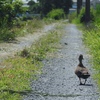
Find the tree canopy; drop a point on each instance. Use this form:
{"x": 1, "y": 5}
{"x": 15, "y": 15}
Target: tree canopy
{"x": 9, "y": 9}
{"x": 47, "y": 5}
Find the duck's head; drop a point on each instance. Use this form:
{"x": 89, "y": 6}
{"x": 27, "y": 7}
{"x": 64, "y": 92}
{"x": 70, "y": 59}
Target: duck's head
{"x": 80, "y": 57}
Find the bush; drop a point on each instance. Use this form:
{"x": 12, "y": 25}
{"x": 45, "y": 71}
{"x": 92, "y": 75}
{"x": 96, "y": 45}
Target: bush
{"x": 97, "y": 15}
{"x": 56, "y": 14}
{"x": 72, "y": 17}
{"x": 82, "y": 15}
{"x": 98, "y": 9}
{"x": 6, "y": 34}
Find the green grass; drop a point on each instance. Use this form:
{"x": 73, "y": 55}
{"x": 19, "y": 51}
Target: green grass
{"x": 17, "y": 72}
{"x": 20, "y": 28}
{"x": 92, "y": 39}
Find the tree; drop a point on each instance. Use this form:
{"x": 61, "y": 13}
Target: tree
{"x": 48, "y": 5}
{"x": 79, "y": 6}
{"x": 9, "y": 9}
{"x": 87, "y": 11}
{"x": 33, "y": 7}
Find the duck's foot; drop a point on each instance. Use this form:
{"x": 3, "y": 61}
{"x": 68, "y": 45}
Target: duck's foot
{"x": 81, "y": 84}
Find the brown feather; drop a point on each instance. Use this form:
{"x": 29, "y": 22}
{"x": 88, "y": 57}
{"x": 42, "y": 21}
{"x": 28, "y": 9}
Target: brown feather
{"x": 81, "y": 71}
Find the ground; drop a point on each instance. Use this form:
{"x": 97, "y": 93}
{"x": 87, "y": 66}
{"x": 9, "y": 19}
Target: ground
{"x": 58, "y": 81}
{"x": 9, "y": 49}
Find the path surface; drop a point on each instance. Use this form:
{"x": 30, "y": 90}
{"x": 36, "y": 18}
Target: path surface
{"x": 9, "y": 49}
{"x": 58, "y": 81}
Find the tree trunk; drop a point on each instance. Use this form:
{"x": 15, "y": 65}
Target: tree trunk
{"x": 79, "y": 6}
{"x": 87, "y": 11}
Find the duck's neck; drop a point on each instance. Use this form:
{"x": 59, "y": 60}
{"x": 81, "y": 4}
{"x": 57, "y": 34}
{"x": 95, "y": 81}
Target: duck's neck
{"x": 80, "y": 63}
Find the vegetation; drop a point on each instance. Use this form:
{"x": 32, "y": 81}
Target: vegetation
{"x": 47, "y": 5}
{"x": 34, "y": 7}
{"x": 9, "y": 10}
{"x": 92, "y": 39}
{"x": 15, "y": 22}
{"x": 20, "y": 28}
{"x": 56, "y": 14}
{"x": 81, "y": 17}
{"x": 16, "y": 72}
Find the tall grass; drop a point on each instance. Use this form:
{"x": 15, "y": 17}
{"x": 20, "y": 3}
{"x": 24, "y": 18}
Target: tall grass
{"x": 92, "y": 39}
{"x": 16, "y": 72}
{"x": 20, "y": 28}
{"x": 91, "y": 35}
{"x": 56, "y": 14}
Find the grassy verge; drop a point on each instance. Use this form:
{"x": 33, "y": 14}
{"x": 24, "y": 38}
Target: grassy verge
{"x": 20, "y": 28}
{"x": 92, "y": 39}
{"x": 17, "y": 71}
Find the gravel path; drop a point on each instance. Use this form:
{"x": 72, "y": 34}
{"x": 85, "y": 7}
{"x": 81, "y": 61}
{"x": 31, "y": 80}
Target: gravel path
{"x": 58, "y": 81}
{"x": 9, "y": 49}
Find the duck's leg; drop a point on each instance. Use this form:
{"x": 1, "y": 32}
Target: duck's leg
{"x": 80, "y": 81}
{"x": 85, "y": 81}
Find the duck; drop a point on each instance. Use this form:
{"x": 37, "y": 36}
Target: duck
{"x": 81, "y": 71}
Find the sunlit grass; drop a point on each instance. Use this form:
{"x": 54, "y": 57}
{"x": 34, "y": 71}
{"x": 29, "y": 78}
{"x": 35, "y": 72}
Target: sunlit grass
{"x": 20, "y": 28}
{"x": 17, "y": 72}
{"x": 92, "y": 39}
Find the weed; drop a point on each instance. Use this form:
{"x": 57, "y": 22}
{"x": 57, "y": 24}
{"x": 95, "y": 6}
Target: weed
{"x": 20, "y": 28}
{"x": 92, "y": 39}
{"x": 56, "y": 14}
{"x": 25, "y": 53}
{"x": 15, "y": 77}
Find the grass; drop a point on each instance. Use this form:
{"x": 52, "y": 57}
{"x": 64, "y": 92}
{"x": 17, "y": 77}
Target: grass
{"x": 92, "y": 39}
{"x": 20, "y": 28}
{"x": 16, "y": 72}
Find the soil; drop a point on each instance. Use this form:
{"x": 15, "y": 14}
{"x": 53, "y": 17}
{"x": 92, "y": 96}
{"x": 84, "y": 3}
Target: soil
{"x": 10, "y": 49}
{"x": 58, "y": 81}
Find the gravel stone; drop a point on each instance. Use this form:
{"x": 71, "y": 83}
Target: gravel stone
{"x": 58, "y": 81}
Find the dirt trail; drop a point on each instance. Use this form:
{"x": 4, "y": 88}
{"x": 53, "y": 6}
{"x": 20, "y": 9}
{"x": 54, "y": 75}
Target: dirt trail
{"x": 9, "y": 49}
{"x": 58, "y": 81}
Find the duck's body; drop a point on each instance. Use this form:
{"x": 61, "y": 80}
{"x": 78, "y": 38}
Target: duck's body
{"x": 81, "y": 71}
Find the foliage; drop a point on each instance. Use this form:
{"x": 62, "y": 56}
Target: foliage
{"x": 17, "y": 71}
{"x": 92, "y": 40}
{"x": 97, "y": 15}
{"x": 98, "y": 9}
{"x": 25, "y": 53}
{"x": 33, "y": 7}
{"x": 72, "y": 17}
{"x": 56, "y": 14}
{"x": 20, "y": 28}
{"x": 8, "y": 10}
{"x": 47, "y": 5}
{"x": 81, "y": 17}
{"x": 6, "y": 34}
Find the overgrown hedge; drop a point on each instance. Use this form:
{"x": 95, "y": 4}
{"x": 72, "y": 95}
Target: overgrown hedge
{"x": 56, "y": 14}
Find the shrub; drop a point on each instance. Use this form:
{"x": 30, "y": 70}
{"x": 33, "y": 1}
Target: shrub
{"x": 72, "y": 16}
{"x": 6, "y": 34}
{"x": 25, "y": 53}
{"x": 82, "y": 15}
{"x": 56, "y": 14}
{"x": 97, "y": 14}
{"x": 98, "y": 9}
